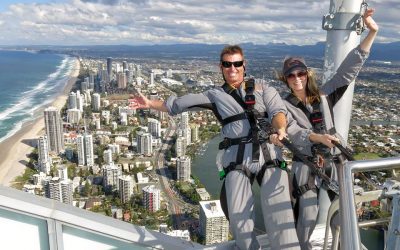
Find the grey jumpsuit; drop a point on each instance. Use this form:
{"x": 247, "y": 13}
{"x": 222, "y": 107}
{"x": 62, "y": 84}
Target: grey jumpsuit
{"x": 275, "y": 196}
{"x": 333, "y": 89}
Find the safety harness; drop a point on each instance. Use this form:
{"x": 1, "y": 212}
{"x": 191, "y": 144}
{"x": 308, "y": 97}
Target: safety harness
{"x": 317, "y": 122}
{"x": 254, "y": 117}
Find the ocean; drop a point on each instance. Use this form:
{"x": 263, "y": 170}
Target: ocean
{"x": 29, "y": 82}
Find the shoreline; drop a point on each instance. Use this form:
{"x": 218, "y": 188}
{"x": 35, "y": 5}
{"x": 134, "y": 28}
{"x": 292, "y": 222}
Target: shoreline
{"x": 16, "y": 148}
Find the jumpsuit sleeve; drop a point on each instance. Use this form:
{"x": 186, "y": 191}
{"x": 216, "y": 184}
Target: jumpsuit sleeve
{"x": 190, "y": 102}
{"x": 297, "y": 134}
{"x": 345, "y": 74}
{"x": 273, "y": 101}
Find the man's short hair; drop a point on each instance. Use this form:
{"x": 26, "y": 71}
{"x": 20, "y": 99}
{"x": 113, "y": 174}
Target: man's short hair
{"x": 230, "y": 50}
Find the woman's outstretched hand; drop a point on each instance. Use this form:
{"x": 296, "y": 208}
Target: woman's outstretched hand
{"x": 369, "y": 21}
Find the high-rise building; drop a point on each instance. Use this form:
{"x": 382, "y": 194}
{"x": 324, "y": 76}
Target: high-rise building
{"x": 162, "y": 115}
{"x": 187, "y": 133}
{"x": 180, "y": 146}
{"x": 109, "y": 68}
{"x": 107, "y": 156}
{"x": 213, "y": 224}
{"x": 87, "y": 97}
{"x": 54, "y": 189}
{"x": 92, "y": 77}
{"x": 84, "y": 86}
{"x": 38, "y": 178}
{"x": 169, "y": 73}
{"x": 62, "y": 172}
{"x": 96, "y": 102}
{"x": 66, "y": 191}
{"x": 144, "y": 145}
{"x": 85, "y": 150}
{"x": 123, "y": 119}
{"x": 72, "y": 101}
{"x": 183, "y": 167}
{"x": 54, "y": 129}
{"x": 128, "y": 75}
{"x": 154, "y": 96}
{"x": 44, "y": 160}
{"x": 184, "y": 120}
{"x": 126, "y": 186}
{"x": 74, "y": 116}
{"x": 79, "y": 101}
{"x": 151, "y": 198}
{"x": 60, "y": 190}
{"x": 121, "y": 80}
{"x": 111, "y": 174}
{"x": 115, "y": 149}
{"x": 97, "y": 124}
{"x": 151, "y": 78}
{"x": 154, "y": 127}
{"x": 124, "y": 66}
{"x": 195, "y": 132}
{"x": 138, "y": 70}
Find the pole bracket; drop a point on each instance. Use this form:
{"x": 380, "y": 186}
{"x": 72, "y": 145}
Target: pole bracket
{"x": 343, "y": 21}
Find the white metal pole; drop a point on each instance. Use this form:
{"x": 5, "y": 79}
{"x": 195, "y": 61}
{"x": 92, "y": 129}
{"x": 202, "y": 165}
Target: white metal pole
{"x": 339, "y": 42}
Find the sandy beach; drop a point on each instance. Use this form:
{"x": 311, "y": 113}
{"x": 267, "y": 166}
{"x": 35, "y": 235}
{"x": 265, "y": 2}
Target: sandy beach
{"x": 14, "y": 150}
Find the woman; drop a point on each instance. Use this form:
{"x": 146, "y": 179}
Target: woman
{"x": 311, "y": 107}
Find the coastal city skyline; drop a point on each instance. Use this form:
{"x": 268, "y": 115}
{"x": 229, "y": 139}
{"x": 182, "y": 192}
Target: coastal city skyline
{"x": 113, "y": 22}
{"x": 139, "y": 175}
{"x": 69, "y": 132}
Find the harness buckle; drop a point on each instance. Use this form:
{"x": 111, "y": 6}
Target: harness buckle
{"x": 224, "y": 144}
{"x": 250, "y": 99}
{"x": 304, "y": 188}
{"x": 280, "y": 164}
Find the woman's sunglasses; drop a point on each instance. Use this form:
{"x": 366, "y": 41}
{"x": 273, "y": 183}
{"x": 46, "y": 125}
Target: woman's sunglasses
{"x": 300, "y": 74}
{"x": 236, "y": 64}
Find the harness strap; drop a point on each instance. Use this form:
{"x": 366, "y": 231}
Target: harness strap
{"x": 233, "y": 166}
{"x": 238, "y": 117}
{"x": 296, "y": 102}
{"x": 270, "y": 164}
{"x": 228, "y": 142}
{"x": 300, "y": 190}
{"x": 248, "y": 115}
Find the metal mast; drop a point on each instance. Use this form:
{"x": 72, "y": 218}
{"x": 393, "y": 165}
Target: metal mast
{"x": 343, "y": 25}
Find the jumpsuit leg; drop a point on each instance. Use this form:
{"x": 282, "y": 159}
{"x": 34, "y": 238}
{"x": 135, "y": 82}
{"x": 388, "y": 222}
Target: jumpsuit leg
{"x": 277, "y": 210}
{"x": 335, "y": 221}
{"x": 240, "y": 202}
{"x": 308, "y": 207}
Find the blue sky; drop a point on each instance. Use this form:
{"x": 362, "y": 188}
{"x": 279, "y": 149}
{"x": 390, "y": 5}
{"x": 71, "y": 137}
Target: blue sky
{"x": 135, "y": 22}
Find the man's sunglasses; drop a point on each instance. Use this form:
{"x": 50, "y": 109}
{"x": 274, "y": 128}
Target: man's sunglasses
{"x": 236, "y": 64}
{"x": 300, "y": 74}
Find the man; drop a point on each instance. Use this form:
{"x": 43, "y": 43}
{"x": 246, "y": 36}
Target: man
{"x": 237, "y": 156}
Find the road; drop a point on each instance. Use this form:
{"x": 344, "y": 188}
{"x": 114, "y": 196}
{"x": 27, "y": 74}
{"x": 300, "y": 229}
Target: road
{"x": 176, "y": 206}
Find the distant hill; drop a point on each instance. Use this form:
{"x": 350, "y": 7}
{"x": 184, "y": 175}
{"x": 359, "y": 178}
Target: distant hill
{"x": 380, "y": 51}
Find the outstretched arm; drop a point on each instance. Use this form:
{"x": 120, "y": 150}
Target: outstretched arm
{"x": 279, "y": 124}
{"x": 373, "y": 30}
{"x": 351, "y": 65}
{"x": 142, "y": 102}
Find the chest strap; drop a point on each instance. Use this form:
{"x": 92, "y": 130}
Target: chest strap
{"x": 238, "y": 117}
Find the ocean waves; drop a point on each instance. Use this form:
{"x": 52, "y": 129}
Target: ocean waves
{"x": 32, "y": 91}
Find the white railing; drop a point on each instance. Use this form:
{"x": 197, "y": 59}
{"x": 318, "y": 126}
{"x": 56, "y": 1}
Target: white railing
{"x": 349, "y": 231}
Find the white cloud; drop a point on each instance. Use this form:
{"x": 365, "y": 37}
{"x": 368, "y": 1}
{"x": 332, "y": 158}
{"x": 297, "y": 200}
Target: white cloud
{"x": 177, "y": 21}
